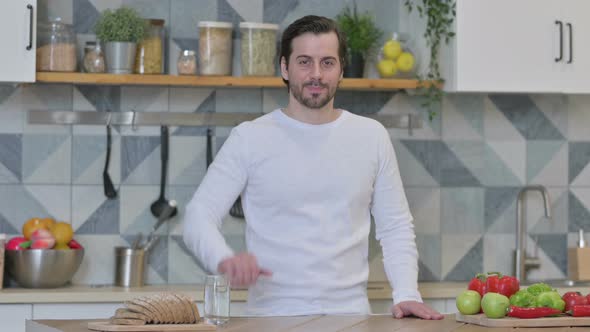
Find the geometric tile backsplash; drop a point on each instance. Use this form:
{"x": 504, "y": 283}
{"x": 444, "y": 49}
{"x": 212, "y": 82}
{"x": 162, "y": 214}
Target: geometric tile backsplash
{"x": 462, "y": 172}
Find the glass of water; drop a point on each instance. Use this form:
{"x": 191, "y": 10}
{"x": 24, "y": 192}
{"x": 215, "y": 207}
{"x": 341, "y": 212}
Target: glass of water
{"x": 216, "y": 299}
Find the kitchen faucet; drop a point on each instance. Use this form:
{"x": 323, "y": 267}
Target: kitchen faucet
{"x": 522, "y": 261}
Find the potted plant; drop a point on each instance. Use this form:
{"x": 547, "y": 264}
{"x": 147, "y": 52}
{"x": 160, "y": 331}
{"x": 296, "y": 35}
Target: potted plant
{"x": 120, "y": 31}
{"x": 361, "y": 34}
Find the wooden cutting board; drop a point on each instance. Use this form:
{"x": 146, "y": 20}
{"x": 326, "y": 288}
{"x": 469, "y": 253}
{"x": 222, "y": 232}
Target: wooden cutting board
{"x": 563, "y": 320}
{"x": 106, "y": 326}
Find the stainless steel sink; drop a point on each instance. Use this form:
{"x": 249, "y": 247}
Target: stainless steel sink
{"x": 559, "y": 283}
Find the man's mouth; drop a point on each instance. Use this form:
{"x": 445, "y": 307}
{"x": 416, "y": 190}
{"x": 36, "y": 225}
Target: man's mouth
{"x": 315, "y": 86}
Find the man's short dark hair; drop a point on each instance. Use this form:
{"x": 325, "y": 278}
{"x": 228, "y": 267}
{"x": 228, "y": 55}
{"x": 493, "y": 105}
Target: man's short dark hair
{"x": 315, "y": 25}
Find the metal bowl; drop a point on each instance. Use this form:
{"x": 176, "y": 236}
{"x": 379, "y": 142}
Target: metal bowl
{"x": 43, "y": 268}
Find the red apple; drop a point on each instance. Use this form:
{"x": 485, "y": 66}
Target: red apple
{"x": 73, "y": 244}
{"x": 17, "y": 243}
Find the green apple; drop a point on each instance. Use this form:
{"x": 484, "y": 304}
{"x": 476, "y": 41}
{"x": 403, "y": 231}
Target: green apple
{"x": 495, "y": 305}
{"x": 469, "y": 302}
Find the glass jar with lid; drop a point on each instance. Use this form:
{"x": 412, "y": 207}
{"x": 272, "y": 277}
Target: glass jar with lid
{"x": 259, "y": 48}
{"x": 149, "y": 58}
{"x": 187, "y": 63}
{"x": 56, "y": 47}
{"x": 93, "y": 61}
{"x": 215, "y": 48}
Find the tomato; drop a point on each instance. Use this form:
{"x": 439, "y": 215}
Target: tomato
{"x": 574, "y": 298}
{"x": 495, "y": 305}
{"x": 468, "y": 302}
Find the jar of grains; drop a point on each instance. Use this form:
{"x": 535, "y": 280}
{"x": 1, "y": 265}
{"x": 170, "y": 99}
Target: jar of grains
{"x": 259, "y": 48}
{"x": 150, "y": 51}
{"x": 187, "y": 63}
{"x": 93, "y": 61}
{"x": 56, "y": 47}
{"x": 215, "y": 48}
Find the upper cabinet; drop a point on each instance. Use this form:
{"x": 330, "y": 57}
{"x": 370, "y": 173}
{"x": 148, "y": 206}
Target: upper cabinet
{"x": 18, "y": 34}
{"x": 523, "y": 46}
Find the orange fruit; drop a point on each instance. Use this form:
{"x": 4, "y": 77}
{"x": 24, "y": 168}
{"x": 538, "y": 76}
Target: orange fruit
{"x": 32, "y": 225}
{"x": 48, "y": 222}
{"x": 62, "y": 232}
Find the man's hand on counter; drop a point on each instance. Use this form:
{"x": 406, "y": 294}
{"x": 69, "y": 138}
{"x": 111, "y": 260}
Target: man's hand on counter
{"x": 408, "y": 308}
{"x": 242, "y": 269}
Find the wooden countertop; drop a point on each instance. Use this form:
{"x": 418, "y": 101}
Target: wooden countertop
{"x": 108, "y": 293}
{"x": 331, "y": 323}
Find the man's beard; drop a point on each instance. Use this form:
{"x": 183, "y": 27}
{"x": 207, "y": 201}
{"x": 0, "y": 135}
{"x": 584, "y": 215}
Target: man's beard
{"x": 316, "y": 101}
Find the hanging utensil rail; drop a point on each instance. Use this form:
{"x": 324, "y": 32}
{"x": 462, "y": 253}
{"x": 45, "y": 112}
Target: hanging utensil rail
{"x": 404, "y": 121}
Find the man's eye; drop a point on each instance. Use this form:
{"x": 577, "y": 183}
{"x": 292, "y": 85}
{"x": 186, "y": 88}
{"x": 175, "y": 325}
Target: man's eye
{"x": 303, "y": 62}
{"x": 329, "y": 63}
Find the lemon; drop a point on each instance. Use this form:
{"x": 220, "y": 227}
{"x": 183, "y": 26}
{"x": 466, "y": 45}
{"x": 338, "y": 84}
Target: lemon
{"x": 405, "y": 62}
{"x": 387, "y": 68}
{"x": 61, "y": 246}
{"x": 392, "y": 49}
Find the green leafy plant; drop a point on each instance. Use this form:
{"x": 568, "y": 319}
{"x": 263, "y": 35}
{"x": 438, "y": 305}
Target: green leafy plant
{"x": 360, "y": 30}
{"x": 440, "y": 15}
{"x": 121, "y": 25}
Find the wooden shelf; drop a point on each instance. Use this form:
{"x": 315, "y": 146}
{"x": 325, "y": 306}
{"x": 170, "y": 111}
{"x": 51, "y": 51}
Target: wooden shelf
{"x": 213, "y": 81}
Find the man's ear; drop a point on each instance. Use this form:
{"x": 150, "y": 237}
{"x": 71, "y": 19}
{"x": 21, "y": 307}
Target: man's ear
{"x": 284, "y": 72}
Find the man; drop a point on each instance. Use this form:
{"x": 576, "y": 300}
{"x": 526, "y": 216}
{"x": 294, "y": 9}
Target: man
{"x": 310, "y": 177}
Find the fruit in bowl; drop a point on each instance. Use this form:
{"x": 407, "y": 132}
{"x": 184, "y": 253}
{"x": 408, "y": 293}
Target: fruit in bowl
{"x": 396, "y": 59}
{"x": 43, "y": 268}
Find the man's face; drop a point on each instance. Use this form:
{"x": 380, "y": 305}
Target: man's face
{"x": 314, "y": 69}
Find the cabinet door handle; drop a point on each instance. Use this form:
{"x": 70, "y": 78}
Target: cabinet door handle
{"x": 30, "y": 8}
{"x": 560, "y": 41}
{"x": 571, "y": 35}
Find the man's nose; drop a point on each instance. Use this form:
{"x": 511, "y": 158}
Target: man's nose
{"x": 316, "y": 71}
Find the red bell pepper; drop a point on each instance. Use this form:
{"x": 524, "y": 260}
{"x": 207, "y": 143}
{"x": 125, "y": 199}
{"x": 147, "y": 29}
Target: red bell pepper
{"x": 574, "y": 298}
{"x": 492, "y": 282}
{"x": 478, "y": 284}
{"x": 520, "y": 312}
{"x": 508, "y": 285}
{"x": 580, "y": 310}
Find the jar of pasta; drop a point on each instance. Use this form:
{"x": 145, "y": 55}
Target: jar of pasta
{"x": 259, "y": 48}
{"x": 149, "y": 58}
{"x": 215, "y": 48}
{"x": 56, "y": 47}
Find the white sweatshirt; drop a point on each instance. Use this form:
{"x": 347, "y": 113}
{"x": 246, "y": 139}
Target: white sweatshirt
{"x": 308, "y": 193}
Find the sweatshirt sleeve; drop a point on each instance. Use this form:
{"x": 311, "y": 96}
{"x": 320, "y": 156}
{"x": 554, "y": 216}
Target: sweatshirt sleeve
{"x": 224, "y": 181}
{"x": 393, "y": 225}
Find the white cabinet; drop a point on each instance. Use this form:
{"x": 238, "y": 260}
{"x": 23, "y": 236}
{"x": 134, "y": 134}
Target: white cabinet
{"x": 18, "y": 35}
{"x": 13, "y": 316}
{"x": 514, "y": 46}
{"x": 577, "y": 25}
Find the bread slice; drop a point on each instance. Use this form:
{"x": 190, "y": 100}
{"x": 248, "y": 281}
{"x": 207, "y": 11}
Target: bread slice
{"x": 186, "y": 308}
{"x": 159, "y": 302}
{"x": 126, "y": 313}
{"x": 140, "y": 306}
{"x": 147, "y": 302}
{"x": 126, "y": 321}
{"x": 166, "y": 301}
{"x": 172, "y": 303}
{"x": 187, "y": 316}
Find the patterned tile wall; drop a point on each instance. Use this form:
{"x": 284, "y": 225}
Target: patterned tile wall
{"x": 461, "y": 172}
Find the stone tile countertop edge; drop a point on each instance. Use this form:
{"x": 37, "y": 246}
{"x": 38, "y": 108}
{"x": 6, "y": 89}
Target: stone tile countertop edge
{"x": 109, "y": 293}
